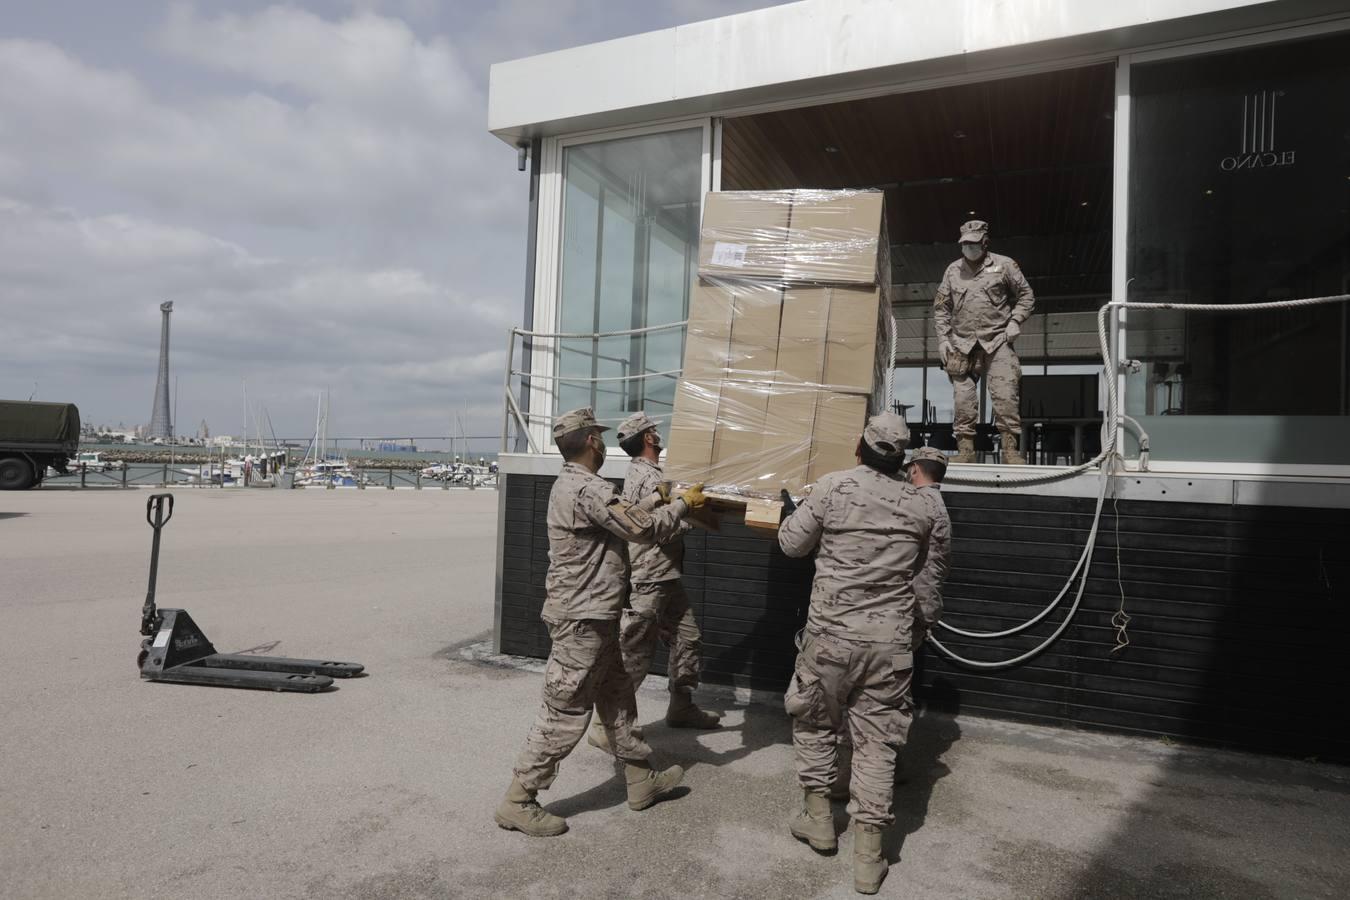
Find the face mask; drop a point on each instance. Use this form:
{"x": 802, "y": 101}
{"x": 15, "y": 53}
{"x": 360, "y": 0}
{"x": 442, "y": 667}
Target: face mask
{"x": 600, "y": 447}
{"x": 972, "y": 252}
{"x": 656, "y": 442}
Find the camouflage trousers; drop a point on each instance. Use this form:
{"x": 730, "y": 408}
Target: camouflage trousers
{"x": 1002, "y": 372}
{"x": 661, "y": 610}
{"x": 864, "y": 688}
{"x": 585, "y": 669}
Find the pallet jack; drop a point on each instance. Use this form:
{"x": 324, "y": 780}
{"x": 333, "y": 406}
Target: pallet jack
{"x": 176, "y": 650}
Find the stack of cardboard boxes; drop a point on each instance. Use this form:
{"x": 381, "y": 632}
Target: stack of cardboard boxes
{"x": 787, "y": 341}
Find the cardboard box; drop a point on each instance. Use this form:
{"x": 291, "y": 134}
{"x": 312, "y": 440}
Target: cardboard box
{"x": 706, "y": 348}
{"x": 786, "y": 445}
{"x": 839, "y": 422}
{"x": 757, "y": 313}
{"x": 851, "y": 340}
{"x": 783, "y": 347}
{"x": 836, "y": 237}
{"x": 691, "y": 432}
{"x": 739, "y": 433}
{"x": 744, "y": 234}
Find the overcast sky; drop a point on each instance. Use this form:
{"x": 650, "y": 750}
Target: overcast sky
{"x": 312, "y": 184}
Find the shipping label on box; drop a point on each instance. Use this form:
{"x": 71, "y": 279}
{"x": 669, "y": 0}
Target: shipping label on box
{"x": 744, "y": 234}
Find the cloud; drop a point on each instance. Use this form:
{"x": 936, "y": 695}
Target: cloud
{"x": 315, "y": 190}
{"x": 86, "y": 290}
{"x": 353, "y": 121}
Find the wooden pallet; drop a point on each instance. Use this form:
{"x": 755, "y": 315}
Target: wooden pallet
{"x": 761, "y": 514}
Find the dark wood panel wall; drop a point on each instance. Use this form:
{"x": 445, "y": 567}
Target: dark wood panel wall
{"x": 1238, "y": 615}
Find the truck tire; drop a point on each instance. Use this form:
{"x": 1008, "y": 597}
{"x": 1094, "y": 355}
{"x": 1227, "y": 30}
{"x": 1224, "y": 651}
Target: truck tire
{"x": 15, "y": 474}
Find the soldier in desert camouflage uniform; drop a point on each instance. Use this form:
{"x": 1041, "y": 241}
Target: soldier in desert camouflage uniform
{"x": 857, "y": 657}
{"x": 925, "y": 469}
{"x": 978, "y": 313}
{"x": 658, "y": 606}
{"x": 589, "y": 526}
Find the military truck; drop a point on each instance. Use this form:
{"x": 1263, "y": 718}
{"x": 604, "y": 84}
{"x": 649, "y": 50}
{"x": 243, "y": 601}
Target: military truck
{"x": 34, "y": 436}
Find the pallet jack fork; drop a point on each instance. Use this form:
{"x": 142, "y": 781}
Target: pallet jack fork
{"x": 176, "y": 650}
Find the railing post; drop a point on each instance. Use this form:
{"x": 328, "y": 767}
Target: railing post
{"x": 124, "y": 474}
{"x": 510, "y": 357}
{"x": 391, "y": 478}
{"x": 164, "y": 478}
{"x": 418, "y": 482}
{"x": 84, "y": 466}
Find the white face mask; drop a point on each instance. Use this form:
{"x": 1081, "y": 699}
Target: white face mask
{"x": 600, "y": 447}
{"x": 972, "y": 252}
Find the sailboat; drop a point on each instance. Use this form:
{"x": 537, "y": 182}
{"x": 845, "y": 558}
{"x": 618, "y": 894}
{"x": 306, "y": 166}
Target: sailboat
{"x": 322, "y": 470}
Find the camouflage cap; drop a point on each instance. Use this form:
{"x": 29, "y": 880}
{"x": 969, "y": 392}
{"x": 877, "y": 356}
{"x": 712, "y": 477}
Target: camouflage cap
{"x": 974, "y": 231}
{"x": 887, "y": 435}
{"x": 575, "y": 420}
{"x": 637, "y": 423}
{"x": 929, "y": 453}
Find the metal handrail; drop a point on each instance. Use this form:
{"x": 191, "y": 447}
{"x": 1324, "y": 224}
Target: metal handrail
{"x": 592, "y": 379}
{"x": 597, "y": 335}
{"x": 523, "y": 419}
{"x": 543, "y": 417}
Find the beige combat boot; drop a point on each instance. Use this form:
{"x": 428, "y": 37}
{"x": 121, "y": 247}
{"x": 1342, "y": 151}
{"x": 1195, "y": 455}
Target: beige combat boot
{"x": 1011, "y": 455}
{"x": 646, "y": 785}
{"x": 965, "y": 450}
{"x": 814, "y": 823}
{"x": 682, "y": 713}
{"x": 521, "y": 812}
{"x": 869, "y": 866}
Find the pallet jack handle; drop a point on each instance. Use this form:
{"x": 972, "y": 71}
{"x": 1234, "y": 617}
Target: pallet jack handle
{"x": 157, "y": 518}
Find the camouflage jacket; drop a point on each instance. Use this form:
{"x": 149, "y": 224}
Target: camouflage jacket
{"x": 975, "y": 306}
{"x": 873, "y": 530}
{"x": 651, "y": 562}
{"x": 936, "y": 560}
{"x": 589, "y": 527}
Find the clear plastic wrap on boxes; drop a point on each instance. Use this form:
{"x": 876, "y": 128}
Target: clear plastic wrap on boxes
{"x": 788, "y": 342}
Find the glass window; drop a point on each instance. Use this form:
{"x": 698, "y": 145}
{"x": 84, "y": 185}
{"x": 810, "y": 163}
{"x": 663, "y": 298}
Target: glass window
{"x": 629, "y": 256}
{"x": 1240, "y": 192}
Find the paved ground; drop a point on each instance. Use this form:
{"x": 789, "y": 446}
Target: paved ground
{"x": 110, "y": 787}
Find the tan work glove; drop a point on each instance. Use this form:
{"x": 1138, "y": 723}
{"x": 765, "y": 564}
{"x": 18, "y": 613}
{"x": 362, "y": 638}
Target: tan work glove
{"x": 944, "y": 351}
{"x": 1013, "y": 331}
{"x": 663, "y": 488}
{"x": 693, "y": 496}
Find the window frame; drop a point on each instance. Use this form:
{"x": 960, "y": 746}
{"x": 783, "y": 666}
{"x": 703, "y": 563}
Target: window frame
{"x": 1120, "y": 229}
{"x": 547, "y": 288}
{"x": 548, "y": 248}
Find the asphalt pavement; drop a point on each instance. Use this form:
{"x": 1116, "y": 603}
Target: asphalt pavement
{"x": 113, "y": 787}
